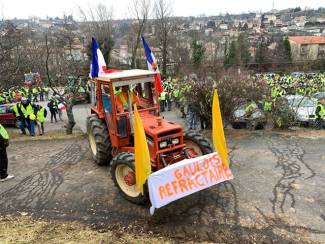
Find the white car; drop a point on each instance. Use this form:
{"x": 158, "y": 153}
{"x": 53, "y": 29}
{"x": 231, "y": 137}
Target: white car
{"x": 319, "y": 95}
{"x": 303, "y": 107}
{"x": 239, "y": 118}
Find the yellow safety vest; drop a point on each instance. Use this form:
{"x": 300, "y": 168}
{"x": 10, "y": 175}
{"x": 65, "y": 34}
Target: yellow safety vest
{"x": 27, "y": 111}
{"x": 4, "y": 133}
{"x": 322, "y": 110}
{"x": 163, "y": 96}
{"x": 267, "y": 106}
{"x": 40, "y": 115}
{"x": 176, "y": 93}
{"x": 15, "y": 109}
{"x": 123, "y": 100}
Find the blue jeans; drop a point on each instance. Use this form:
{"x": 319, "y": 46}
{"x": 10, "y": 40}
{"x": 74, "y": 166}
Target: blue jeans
{"x": 31, "y": 127}
{"x": 21, "y": 125}
{"x": 192, "y": 121}
{"x": 162, "y": 105}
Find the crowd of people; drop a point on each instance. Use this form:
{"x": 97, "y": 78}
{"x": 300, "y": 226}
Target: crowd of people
{"x": 305, "y": 84}
{"x": 31, "y": 115}
{"x": 34, "y": 94}
{"x": 176, "y": 93}
{"x": 298, "y": 83}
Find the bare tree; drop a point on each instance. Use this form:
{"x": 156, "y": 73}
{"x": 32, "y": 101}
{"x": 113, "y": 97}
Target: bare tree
{"x": 163, "y": 28}
{"x": 97, "y": 22}
{"x": 12, "y": 42}
{"x": 64, "y": 68}
{"x": 139, "y": 10}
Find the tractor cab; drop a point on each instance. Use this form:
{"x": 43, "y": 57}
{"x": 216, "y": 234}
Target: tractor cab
{"x": 110, "y": 128}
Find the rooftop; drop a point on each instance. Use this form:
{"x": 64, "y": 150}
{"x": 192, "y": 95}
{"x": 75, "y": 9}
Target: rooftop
{"x": 308, "y": 39}
{"x": 126, "y": 75}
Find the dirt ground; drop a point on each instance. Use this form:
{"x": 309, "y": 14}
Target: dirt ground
{"x": 277, "y": 196}
{"x": 28, "y": 230}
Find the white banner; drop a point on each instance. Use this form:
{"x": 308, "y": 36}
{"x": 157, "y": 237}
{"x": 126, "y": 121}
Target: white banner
{"x": 186, "y": 177}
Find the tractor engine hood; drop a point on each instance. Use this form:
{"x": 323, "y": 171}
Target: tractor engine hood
{"x": 158, "y": 126}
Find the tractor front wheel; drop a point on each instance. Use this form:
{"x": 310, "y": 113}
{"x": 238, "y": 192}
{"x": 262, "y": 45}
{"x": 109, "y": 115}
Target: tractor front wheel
{"x": 99, "y": 142}
{"x": 198, "y": 143}
{"x": 123, "y": 176}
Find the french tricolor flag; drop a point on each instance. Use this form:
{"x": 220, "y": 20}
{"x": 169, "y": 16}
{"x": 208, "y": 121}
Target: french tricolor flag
{"x": 98, "y": 64}
{"x": 152, "y": 65}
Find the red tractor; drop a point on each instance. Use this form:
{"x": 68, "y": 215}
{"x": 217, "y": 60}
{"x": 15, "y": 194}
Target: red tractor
{"x": 110, "y": 129}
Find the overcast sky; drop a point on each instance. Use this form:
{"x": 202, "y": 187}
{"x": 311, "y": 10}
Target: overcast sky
{"x": 43, "y": 8}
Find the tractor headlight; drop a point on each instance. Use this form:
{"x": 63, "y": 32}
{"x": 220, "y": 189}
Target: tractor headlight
{"x": 162, "y": 144}
{"x": 175, "y": 141}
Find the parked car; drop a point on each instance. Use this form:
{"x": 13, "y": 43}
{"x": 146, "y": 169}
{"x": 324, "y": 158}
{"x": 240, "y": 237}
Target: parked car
{"x": 319, "y": 96}
{"x": 240, "y": 119}
{"x": 6, "y": 114}
{"x": 303, "y": 107}
{"x": 297, "y": 74}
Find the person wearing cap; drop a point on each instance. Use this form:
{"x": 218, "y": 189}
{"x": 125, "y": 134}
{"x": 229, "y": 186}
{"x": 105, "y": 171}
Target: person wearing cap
{"x": 28, "y": 111}
{"x": 4, "y": 142}
{"x": 20, "y": 117}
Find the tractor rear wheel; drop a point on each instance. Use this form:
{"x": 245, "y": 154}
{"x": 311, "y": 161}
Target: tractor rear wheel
{"x": 198, "y": 143}
{"x": 123, "y": 176}
{"x": 99, "y": 142}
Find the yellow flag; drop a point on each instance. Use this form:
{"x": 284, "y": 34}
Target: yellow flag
{"x": 218, "y": 135}
{"x": 141, "y": 151}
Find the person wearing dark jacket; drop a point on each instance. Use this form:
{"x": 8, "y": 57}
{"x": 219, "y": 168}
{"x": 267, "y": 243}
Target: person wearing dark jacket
{"x": 4, "y": 142}
{"x": 20, "y": 117}
{"x": 53, "y": 109}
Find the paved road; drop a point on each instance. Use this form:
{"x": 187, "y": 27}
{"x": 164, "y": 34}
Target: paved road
{"x": 277, "y": 195}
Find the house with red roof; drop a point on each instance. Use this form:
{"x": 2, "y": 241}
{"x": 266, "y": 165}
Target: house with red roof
{"x": 307, "y": 48}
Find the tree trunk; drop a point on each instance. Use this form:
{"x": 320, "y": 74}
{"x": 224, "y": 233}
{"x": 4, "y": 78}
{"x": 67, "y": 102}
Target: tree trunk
{"x": 164, "y": 58}
{"x": 135, "y": 50}
{"x": 71, "y": 122}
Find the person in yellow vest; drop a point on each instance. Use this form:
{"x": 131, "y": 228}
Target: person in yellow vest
{"x": 20, "y": 117}
{"x": 162, "y": 99}
{"x": 41, "y": 114}
{"x": 2, "y": 98}
{"x": 121, "y": 98}
{"x": 4, "y": 142}
{"x": 28, "y": 112}
{"x": 46, "y": 93}
{"x": 320, "y": 115}
{"x": 35, "y": 94}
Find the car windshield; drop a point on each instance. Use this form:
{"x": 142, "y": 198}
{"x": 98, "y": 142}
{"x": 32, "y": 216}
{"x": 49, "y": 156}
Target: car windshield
{"x": 320, "y": 95}
{"x": 3, "y": 110}
{"x": 301, "y": 102}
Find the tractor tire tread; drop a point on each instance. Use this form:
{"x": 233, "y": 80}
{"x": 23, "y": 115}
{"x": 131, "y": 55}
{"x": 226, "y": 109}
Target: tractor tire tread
{"x": 103, "y": 145}
{"x": 128, "y": 159}
{"x": 204, "y": 143}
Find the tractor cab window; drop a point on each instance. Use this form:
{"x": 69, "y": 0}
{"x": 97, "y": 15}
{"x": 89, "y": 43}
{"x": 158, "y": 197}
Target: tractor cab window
{"x": 125, "y": 96}
{"x": 145, "y": 94}
{"x": 106, "y": 99}
{"x": 142, "y": 94}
